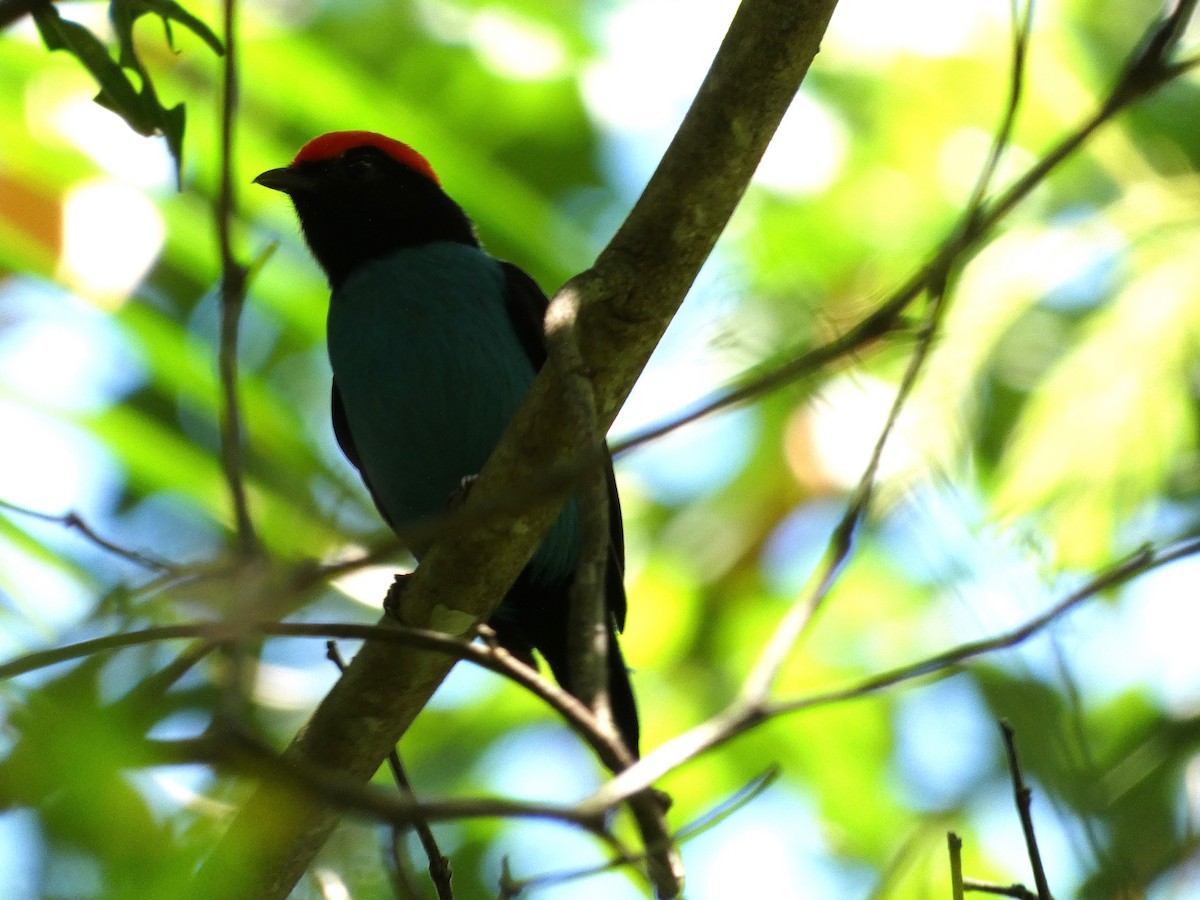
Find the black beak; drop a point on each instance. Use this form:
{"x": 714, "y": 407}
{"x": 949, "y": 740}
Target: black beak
{"x": 287, "y": 180}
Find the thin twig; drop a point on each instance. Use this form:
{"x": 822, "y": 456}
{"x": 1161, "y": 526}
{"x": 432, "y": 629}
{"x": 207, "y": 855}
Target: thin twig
{"x": 797, "y": 620}
{"x": 609, "y": 750}
{"x": 590, "y": 618}
{"x": 238, "y": 750}
{"x": 157, "y": 684}
{"x": 40, "y": 659}
{"x": 956, "y": 877}
{"x": 72, "y": 520}
{"x": 494, "y": 659}
{"x": 885, "y": 318}
{"x": 726, "y": 808}
{"x": 1023, "y": 796}
{"x": 1022, "y": 25}
{"x": 801, "y": 616}
{"x": 708, "y": 820}
{"x": 233, "y": 296}
{"x": 397, "y": 862}
{"x": 439, "y": 865}
{"x": 1139, "y": 563}
{"x": 740, "y": 717}
{"x": 794, "y": 624}
{"x": 1017, "y": 891}
{"x": 509, "y": 888}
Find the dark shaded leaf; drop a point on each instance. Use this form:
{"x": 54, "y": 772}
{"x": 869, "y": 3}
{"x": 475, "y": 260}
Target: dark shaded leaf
{"x": 169, "y": 11}
{"x": 116, "y": 90}
{"x": 141, "y": 109}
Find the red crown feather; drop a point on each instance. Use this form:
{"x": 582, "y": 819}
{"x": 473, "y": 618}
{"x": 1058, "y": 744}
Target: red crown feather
{"x": 334, "y": 144}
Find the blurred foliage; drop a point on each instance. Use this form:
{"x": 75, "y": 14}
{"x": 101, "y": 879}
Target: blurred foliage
{"x": 1054, "y": 430}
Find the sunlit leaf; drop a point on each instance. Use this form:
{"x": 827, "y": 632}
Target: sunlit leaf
{"x": 1104, "y": 431}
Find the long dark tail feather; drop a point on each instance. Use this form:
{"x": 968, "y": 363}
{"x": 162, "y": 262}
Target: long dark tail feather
{"x": 620, "y": 695}
{"x": 538, "y": 620}
{"x": 620, "y": 691}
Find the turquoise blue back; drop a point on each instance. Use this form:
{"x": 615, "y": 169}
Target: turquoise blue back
{"x": 426, "y": 408}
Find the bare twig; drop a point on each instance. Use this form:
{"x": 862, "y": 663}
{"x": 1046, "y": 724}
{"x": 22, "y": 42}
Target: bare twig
{"x": 723, "y": 810}
{"x": 696, "y": 827}
{"x": 233, "y": 295}
{"x": 1022, "y": 24}
{"x": 956, "y": 876}
{"x": 793, "y": 625}
{"x": 976, "y": 220}
{"x": 509, "y": 888}
{"x": 72, "y": 520}
{"x": 589, "y": 615}
{"x": 1018, "y": 891}
{"x": 885, "y": 318}
{"x": 439, "y": 865}
{"x": 1139, "y": 563}
{"x": 397, "y": 862}
{"x": 1024, "y": 798}
{"x": 227, "y": 747}
{"x": 157, "y": 684}
{"x": 40, "y": 659}
{"x": 495, "y": 659}
{"x": 796, "y": 621}
{"x": 740, "y": 717}
{"x": 607, "y": 747}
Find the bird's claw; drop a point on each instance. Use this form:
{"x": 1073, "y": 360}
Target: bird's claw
{"x": 391, "y": 601}
{"x": 459, "y": 495}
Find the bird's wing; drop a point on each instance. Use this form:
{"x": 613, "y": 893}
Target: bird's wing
{"x": 345, "y": 439}
{"x": 526, "y": 304}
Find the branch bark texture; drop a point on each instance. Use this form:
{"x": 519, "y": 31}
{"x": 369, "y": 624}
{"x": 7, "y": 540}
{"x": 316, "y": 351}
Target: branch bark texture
{"x": 627, "y": 299}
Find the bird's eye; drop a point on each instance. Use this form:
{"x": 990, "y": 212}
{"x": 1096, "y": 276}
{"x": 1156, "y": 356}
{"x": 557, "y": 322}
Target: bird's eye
{"x": 359, "y": 168}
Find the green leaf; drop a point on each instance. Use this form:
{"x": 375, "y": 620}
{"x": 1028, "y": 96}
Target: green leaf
{"x": 124, "y": 15}
{"x": 116, "y": 90}
{"x": 170, "y": 11}
{"x": 141, "y": 109}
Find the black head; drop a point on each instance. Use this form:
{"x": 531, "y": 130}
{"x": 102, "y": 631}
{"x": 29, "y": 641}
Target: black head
{"x": 360, "y": 196}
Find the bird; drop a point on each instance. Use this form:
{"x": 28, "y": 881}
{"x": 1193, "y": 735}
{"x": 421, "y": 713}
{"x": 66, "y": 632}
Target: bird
{"x": 433, "y": 344}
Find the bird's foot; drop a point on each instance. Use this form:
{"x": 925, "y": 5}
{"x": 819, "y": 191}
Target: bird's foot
{"x": 391, "y": 601}
{"x": 458, "y": 496}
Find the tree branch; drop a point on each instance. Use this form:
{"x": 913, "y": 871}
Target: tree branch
{"x": 1023, "y": 796}
{"x": 587, "y": 640}
{"x": 233, "y": 296}
{"x": 1150, "y": 67}
{"x": 954, "y": 842}
{"x": 627, "y": 300}
{"x": 742, "y": 716}
{"x": 439, "y": 866}
{"x": 607, "y": 747}
{"x": 1149, "y": 74}
{"x": 795, "y": 623}
{"x": 303, "y": 780}
{"x": 72, "y": 520}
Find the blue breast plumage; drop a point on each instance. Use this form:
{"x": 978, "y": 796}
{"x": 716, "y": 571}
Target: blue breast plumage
{"x": 430, "y": 371}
